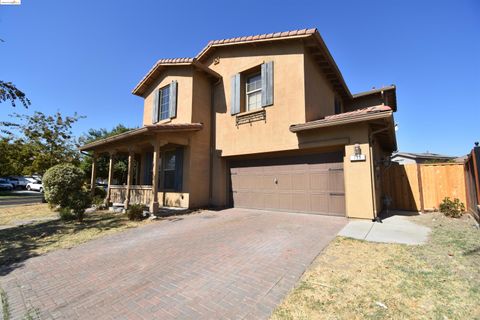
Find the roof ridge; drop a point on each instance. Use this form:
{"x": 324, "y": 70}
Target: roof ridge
{"x": 175, "y": 60}
{"x": 262, "y": 36}
{"x": 258, "y": 37}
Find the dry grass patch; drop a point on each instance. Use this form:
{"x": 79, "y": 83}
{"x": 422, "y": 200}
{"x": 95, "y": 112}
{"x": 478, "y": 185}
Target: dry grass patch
{"x": 14, "y": 214}
{"x": 20, "y": 243}
{"x": 355, "y": 279}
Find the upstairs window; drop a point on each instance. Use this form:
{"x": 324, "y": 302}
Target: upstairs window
{"x": 164, "y": 100}
{"x": 253, "y": 92}
{"x": 252, "y": 89}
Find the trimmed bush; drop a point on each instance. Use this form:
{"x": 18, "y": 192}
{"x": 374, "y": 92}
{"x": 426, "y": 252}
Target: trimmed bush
{"x": 135, "y": 212}
{"x": 100, "y": 192}
{"x": 63, "y": 186}
{"x": 453, "y": 209}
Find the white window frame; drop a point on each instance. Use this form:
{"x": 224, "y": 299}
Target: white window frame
{"x": 164, "y": 114}
{"x": 248, "y": 93}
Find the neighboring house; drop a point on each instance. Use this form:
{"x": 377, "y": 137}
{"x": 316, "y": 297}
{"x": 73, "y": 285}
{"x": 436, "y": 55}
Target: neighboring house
{"x": 264, "y": 122}
{"x": 427, "y": 157}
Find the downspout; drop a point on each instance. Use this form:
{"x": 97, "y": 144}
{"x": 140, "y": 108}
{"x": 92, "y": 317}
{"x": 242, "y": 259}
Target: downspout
{"x": 212, "y": 140}
{"x": 372, "y": 172}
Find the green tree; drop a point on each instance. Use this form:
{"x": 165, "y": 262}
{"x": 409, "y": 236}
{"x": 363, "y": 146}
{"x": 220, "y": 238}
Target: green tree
{"x": 9, "y": 92}
{"x": 14, "y": 157}
{"x": 121, "y": 164}
{"x": 43, "y": 141}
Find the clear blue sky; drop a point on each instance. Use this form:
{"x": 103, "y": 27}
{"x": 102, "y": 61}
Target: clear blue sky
{"x": 86, "y": 56}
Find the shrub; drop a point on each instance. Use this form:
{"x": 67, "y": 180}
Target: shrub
{"x": 66, "y": 214}
{"x": 451, "y": 208}
{"x": 100, "y": 192}
{"x": 63, "y": 186}
{"x": 135, "y": 212}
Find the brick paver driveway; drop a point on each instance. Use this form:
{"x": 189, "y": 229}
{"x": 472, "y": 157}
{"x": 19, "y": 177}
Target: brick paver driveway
{"x": 231, "y": 264}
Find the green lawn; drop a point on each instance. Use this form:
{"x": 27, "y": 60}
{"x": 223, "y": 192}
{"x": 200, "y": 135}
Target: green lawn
{"x": 355, "y": 279}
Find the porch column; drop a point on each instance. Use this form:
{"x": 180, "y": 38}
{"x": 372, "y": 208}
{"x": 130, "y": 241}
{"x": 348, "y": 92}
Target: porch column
{"x": 131, "y": 157}
{"x": 110, "y": 175}
{"x": 156, "y": 164}
{"x": 94, "y": 174}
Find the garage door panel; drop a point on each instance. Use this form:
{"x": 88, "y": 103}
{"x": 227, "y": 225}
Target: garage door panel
{"x": 300, "y": 202}
{"x": 309, "y": 184}
{"x": 257, "y": 200}
{"x": 337, "y": 204}
{"x": 284, "y": 181}
{"x": 319, "y": 202}
{"x": 300, "y": 181}
{"x": 319, "y": 181}
{"x": 336, "y": 182}
{"x": 270, "y": 200}
{"x": 285, "y": 201}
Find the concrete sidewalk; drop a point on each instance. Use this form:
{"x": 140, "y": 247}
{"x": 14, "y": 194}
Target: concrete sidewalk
{"x": 394, "y": 229}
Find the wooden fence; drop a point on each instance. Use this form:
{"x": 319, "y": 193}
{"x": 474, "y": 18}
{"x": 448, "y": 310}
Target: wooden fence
{"x": 422, "y": 187}
{"x": 472, "y": 180}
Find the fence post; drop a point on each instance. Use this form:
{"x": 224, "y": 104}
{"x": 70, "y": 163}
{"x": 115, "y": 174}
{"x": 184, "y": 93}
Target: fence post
{"x": 420, "y": 187}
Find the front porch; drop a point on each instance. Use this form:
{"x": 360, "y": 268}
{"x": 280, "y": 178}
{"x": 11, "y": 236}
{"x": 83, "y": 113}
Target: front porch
{"x": 158, "y": 159}
{"x": 143, "y": 194}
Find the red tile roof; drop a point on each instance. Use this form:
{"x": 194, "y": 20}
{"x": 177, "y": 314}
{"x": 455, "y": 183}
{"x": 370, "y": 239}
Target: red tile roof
{"x": 174, "y": 126}
{"x": 264, "y": 36}
{"x": 140, "y": 87}
{"x": 357, "y": 112}
{"x": 359, "y": 115}
{"x": 258, "y": 37}
{"x": 162, "y": 127}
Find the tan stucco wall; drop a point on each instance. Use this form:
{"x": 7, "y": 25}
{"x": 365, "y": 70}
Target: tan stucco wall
{"x": 288, "y": 106}
{"x": 358, "y": 181}
{"x": 199, "y": 164}
{"x": 174, "y": 199}
{"x": 319, "y": 93}
{"x": 184, "y": 76}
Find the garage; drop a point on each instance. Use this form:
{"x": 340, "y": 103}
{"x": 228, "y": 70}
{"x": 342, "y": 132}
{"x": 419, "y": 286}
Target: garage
{"x": 307, "y": 183}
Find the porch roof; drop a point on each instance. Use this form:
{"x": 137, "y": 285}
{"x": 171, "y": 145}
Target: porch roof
{"x": 379, "y": 117}
{"x": 145, "y": 130}
{"x": 360, "y": 115}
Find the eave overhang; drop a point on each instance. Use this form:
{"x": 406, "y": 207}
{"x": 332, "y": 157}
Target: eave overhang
{"x": 146, "y": 130}
{"x": 163, "y": 64}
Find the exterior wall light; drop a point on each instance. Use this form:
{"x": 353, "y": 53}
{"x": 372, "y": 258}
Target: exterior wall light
{"x": 357, "y": 156}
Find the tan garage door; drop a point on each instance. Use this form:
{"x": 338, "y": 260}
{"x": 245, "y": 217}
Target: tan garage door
{"x": 309, "y": 184}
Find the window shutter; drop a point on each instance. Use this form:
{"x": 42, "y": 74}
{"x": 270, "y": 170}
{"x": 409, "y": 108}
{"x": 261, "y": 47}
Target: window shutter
{"x": 235, "y": 94}
{"x": 267, "y": 84}
{"x": 172, "y": 104}
{"x": 156, "y": 99}
{"x": 178, "y": 169}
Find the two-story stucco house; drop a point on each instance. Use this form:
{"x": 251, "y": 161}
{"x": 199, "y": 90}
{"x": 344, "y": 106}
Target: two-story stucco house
{"x": 263, "y": 122}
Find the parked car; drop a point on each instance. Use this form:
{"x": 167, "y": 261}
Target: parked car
{"x": 18, "y": 182}
{"x": 5, "y": 185}
{"x": 35, "y": 186}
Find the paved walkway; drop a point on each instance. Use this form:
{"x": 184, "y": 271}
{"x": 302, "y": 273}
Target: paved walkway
{"x": 232, "y": 264}
{"x": 393, "y": 229}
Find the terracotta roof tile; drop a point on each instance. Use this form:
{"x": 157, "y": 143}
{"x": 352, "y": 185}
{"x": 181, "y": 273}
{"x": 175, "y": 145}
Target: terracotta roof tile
{"x": 166, "y": 127}
{"x": 358, "y": 112}
{"x": 285, "y": 34}
{"x": 356, "y": 115}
